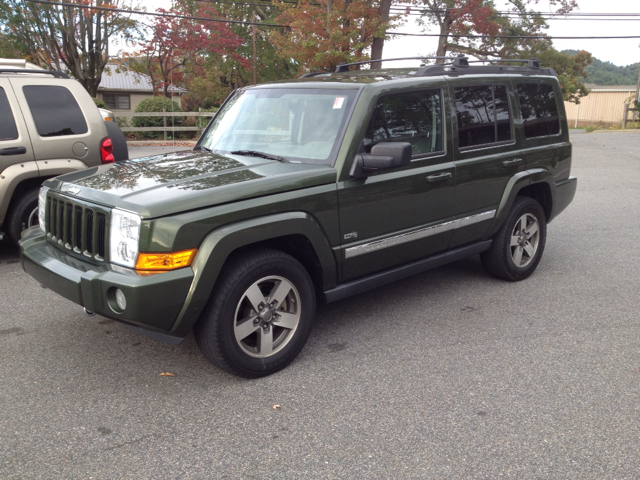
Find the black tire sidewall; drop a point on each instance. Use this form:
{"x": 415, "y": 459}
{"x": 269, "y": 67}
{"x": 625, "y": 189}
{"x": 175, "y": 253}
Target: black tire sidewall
{"x": 218, "y": 329}
{"x": 20, "y": 212}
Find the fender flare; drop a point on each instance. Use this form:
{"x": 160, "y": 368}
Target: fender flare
{"x": 516, "y": 183}
{"x": 10, "y": 178}
{"x": 219, "y": 244}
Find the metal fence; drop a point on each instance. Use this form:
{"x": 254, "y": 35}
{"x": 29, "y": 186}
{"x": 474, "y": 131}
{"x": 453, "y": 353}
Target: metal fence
{"x": 166, "y": 124}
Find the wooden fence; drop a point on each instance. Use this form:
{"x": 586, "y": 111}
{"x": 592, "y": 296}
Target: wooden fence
{"x": 167, "y": 124}
{"x": 625, "y": 116}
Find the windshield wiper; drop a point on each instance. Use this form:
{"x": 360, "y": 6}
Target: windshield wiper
{"x": 201, "y": 147}
{"x": 255, "y": 153}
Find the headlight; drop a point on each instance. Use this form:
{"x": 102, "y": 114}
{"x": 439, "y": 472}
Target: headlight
{"x": 124, "y": 237}
{"x": 42, "y": 208}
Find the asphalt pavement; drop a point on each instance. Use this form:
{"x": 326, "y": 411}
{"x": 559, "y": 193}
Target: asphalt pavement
{"x": 448, "y": 374}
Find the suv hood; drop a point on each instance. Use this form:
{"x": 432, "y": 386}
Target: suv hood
{"x": 178, "y": 182}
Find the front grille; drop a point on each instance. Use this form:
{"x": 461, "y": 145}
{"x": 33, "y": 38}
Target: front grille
{"x": 77, "y": 226}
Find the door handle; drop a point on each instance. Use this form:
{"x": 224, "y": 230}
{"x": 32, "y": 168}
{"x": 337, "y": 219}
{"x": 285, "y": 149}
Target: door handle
{"x": 13, "y": 151}
{"x": 509, "y": 163}
{"x": 439, "y": 177}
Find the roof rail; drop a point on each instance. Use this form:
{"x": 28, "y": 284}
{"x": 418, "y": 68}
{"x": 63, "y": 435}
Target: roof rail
{"x": 47, "y": 72}
{"x": 314, "y": 74}
{"x": 461, "y": 66}
{"x": 531, "y": 62}
{"x": 344, "y": 67}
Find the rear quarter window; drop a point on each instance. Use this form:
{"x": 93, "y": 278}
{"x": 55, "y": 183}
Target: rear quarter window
{"x": 8, "y": 130}
{"x": 483, "y": 115}
{"x": 55, "y": 111}
{"x": 539, "y": 109}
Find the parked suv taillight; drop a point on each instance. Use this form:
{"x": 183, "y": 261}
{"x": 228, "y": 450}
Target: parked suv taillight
{"x": 106, "y": 151}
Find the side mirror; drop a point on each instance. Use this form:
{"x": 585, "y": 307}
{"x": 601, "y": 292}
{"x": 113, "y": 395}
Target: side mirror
{"x": 383, "y": 156}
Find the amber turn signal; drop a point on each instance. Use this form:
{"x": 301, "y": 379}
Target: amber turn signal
{"x": 165, "y": 261}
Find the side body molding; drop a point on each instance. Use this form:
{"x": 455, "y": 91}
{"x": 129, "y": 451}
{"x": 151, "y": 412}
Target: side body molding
{"x": 514, "y": 185}
{"x": 219, "y": 244}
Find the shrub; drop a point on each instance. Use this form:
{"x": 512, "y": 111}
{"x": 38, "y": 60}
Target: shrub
{"x": 591, "y": 128}
{"x": 99, "y": 103}
{"x": 202, "y": 122}
{"x": 156, "y": 104}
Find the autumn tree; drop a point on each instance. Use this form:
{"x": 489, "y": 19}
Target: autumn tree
{"x": 324, "y": 33}
{"x": 65, "y": 38}
{"x": 459, "y": 20}
{"x": 225, "y": 73}
{"x": 179, "y": 47}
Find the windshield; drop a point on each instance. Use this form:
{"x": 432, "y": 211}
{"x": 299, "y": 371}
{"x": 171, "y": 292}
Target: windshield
{"x": 299, "y": 125}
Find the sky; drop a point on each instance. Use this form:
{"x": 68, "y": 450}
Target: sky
{"x": 619, "y": 52}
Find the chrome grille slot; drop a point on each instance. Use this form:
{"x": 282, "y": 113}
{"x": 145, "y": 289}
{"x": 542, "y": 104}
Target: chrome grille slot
{"x": 77, "y": 226}
{"x": 102, "y": 229}
{"x": 77, "y": 236}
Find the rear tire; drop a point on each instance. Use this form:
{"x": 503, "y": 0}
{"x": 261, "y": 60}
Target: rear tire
{"x": 23, "y": 214}
{"x": 259, "y": 315}
{"x": 518, "y": 246}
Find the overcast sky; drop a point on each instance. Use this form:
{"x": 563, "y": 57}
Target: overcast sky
{"x": 618, "y": 52}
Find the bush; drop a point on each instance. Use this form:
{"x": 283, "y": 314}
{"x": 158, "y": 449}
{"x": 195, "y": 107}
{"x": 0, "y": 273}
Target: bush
{"x": 99, "y": 103}
{"x": 591, "y": 128}
{"x": 202, "y": 122}
{"x": 156, "y": 104}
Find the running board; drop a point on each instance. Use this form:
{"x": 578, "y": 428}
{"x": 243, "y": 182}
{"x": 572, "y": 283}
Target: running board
{"x": 376, "y": 280}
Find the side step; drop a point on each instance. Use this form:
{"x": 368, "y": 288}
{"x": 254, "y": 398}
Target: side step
{"x": 380, "y": 279}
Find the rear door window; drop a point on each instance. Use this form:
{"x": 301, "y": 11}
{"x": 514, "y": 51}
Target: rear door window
{"x": 539, "y": 109}
{"x": 483, "y": 115}
{"x": 55, "y": 111}
{"x": 8, "y": 129}
{"x": 414, "y": 117}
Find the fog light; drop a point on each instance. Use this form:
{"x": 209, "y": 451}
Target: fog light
{"x": 121, "y": 300}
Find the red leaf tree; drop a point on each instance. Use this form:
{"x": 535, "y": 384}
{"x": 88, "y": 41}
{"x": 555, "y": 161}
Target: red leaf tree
{"x": 181, "y": 46}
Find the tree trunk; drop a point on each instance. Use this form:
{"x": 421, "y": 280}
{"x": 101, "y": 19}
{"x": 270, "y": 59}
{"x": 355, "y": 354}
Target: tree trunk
{"x": 378, "y": 42}
{"x": 445, "y": 29}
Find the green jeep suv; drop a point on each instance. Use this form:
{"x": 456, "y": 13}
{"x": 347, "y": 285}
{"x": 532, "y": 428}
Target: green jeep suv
{"x": 312, "y": 189}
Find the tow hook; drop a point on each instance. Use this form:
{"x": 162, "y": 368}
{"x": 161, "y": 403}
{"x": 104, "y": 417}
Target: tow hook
{"x": 88, "y": 313}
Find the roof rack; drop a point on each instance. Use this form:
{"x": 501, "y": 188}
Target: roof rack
{"x": 344, "y": 67}
{"x": 314, "y": 74}
{"x": 462, "y": 67}
{"x": 47, "y": 72}
{"x": 531, "y": 62}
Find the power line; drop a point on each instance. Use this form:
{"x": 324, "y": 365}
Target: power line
{"x": 219, "y": 20}
{"x": 523, "y": 37}
{"x": 166, "y": 15}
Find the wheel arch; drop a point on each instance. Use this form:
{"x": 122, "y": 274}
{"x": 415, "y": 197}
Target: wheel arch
{"x": 536, "y": 183}
{"x": 295, "y": 233}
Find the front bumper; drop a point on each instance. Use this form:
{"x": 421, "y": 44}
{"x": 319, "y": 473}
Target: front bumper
{"x": 153, "y": 302}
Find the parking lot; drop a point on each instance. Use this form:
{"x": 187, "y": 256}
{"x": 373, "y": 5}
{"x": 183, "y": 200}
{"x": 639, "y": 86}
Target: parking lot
{"x": 448, "y": 374}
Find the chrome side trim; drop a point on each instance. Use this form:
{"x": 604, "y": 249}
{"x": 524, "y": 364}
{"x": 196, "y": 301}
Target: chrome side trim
{"x": 417, "y": 234}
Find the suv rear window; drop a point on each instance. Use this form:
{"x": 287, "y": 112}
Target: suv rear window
{"x": 8, "y": 130}
{"x": 55, "y": 111}
{"x": 483, "y": 115}
{"x": 414, "y": 117}
{"x": 539, "y": 109}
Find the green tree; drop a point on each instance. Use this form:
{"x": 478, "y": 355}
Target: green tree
{"x": 61, "y": 38}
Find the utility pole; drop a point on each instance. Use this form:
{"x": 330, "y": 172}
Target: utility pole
{"x": 255, "y": 54}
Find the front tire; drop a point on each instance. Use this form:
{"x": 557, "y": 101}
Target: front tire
{"x": 259, "y": 316}
{"x": 23, "y": 214}
{"x": 518, "y": 246}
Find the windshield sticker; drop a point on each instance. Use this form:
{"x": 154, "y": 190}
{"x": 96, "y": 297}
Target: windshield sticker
{"x": 338, "y": 103}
